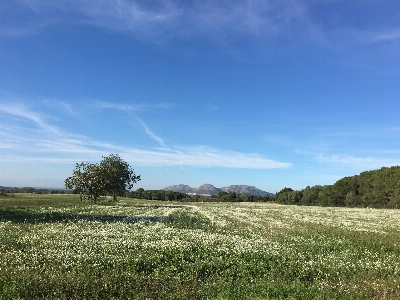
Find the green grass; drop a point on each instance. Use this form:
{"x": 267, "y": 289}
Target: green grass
{"x": 34, "y": 200}
{"x": 56, "y": 247}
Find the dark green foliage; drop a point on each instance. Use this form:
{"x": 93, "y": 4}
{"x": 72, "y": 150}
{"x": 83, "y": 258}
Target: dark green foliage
{"x": 310, "y": 195}
{"x": 113, "y": 176}
{"x": 288, "y": 196}
{"x": 377, "y": 189}
{"x": 87, "y": 180}
{"x": 117, "y": 175}
{"x": 162, "y": 195}
{"x": 228, "y": 196}
{"x": 12, "y": 190}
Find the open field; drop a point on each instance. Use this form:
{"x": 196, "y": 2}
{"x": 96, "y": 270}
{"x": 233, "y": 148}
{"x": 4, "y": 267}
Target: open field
{"x": 55, "y": 247}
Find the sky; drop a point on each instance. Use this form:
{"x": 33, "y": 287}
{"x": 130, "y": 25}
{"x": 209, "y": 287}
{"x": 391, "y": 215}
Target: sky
{"x": 270, "y": 94}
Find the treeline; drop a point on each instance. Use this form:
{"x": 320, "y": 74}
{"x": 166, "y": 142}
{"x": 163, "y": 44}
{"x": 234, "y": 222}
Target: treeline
{"x": 12, "y": 190}
{"x": 162, "y": 195}
{"x": 246, "y": 197}
{"x": 177, "y": 196}
{"x": 377, "y": 189}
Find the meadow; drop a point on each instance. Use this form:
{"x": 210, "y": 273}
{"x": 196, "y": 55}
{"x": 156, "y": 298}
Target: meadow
{"x": 56, "y": 247}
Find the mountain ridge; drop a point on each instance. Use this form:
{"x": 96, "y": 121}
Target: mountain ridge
{"x": 209, "y": 189}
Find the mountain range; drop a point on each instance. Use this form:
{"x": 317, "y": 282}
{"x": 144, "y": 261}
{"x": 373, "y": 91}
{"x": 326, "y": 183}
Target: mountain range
{"x": 209, "y": 189}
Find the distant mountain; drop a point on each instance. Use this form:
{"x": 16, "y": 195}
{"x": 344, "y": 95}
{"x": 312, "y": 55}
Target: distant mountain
{"x": 243, "y": 189}
{"x": 182, "y": 188}
{"x": 209, "y": 189}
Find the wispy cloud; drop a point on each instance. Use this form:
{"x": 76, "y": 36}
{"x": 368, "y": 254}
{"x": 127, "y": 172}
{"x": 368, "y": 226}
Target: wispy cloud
{"x": 22, "y": 111}
{"x": 365, "y": 131}
{"x": 168, "y": 18}
{"x": 59, "y": 106}
{"x": 120, "y": 106}
{"x": 61, "y": 150}
{"x": 152, "y": 134}
{"x": 360, "y": 163}
{"x": 20, "y": 19}
{"x": 132, "y": 109}
{"x": 25, "y": 143}
{"x": 201, "y": 156}
{"x": 217, "y": 20}
{"x": 344, "y": 38}
{"x": 374, "y": 36}
{"x": 212, "y": 107}
{"x": 137, "y": 107}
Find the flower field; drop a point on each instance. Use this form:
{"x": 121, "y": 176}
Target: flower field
{"x": 55, "y": 247}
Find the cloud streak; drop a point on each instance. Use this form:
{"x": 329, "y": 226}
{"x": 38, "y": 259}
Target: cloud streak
{"x": 134, "y": 108}
{"x": 131, "y": 107}
{"x": 152, "y": 134}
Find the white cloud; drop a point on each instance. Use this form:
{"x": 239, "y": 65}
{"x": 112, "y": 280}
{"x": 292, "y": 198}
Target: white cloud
{"x": 131, "y": 107}
{"x": 61, "y": 150}
{"x": 388, "y": 35}
{"x": 59, "y": 106}
{"x": 217, "y": 20}
{"x": 345, "y": 39}
{"x": 202, "y": 157}
{"x": 21, "y": 143}
{"x": 360, "y": 163}
{"x": 22, "y": 111}
{"x": 168, "y": 18}
{"x": 152, "y": 134}
{"x": 134, "y": 108}
{"x": 119, "y": 106}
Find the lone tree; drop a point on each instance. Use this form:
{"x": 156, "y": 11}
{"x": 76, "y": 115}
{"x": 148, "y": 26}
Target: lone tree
{"x": 113, "y": 176}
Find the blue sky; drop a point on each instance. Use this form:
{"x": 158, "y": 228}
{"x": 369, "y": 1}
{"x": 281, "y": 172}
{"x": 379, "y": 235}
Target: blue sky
{"x": 267, "y": 93}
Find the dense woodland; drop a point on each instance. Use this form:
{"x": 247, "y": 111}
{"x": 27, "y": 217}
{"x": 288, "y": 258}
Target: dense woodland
{"x": 378, "y": 189}
{"x": 374, "y": 189}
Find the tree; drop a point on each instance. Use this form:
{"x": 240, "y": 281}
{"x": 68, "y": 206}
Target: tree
{"x": 86, "y": 180}
{"x": 118, "y": 175}
{"x": 139, "y": 193}
{"x": 246, "y": 197}
{"x": 222, "y": 195}
{"x": 284, "y": 195}
{"x": 310, "y": 195}
{"x": 112, "y": 176}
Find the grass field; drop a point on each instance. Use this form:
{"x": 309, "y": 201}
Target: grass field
{"x": 55, "y": 247}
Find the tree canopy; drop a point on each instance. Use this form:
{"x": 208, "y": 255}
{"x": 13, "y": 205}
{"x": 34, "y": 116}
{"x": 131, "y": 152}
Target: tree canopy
{"x": 112, "y": 176}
